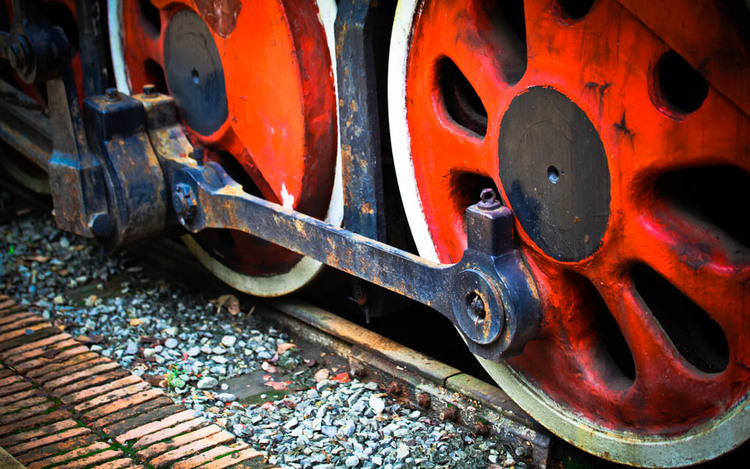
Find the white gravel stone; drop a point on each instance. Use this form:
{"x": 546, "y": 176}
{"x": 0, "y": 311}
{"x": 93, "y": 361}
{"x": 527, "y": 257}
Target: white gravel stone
{"x": 131, "y": 348}
{"x": 171, "y": 342}
{"x": 376, "y": 404}
{"x": 226, "y": 397}
{"x": 207, "y": 382}
{"x": 352, "y": 461}
{"x": 228, "y": 341}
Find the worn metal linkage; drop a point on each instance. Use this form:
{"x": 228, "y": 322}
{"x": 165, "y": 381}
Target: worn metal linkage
{"x": 121, "y": 169}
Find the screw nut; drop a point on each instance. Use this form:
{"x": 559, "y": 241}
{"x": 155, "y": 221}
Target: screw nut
{"x": 149, "y": 89}
{"x": 184, "y": 203}
{"x": 481, "y": 429}
{"x": 395, "y": 388}
{"x": 488, "y": 200}
{"x": 18, "y": 53}
{"x": 423, "y": 400}
{"x": 112, "y": 94}
{"x": 101, "y": 225}
{"x": 450, "y": 413}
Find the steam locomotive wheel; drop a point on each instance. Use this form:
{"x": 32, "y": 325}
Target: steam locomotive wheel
{"x": 623, "y": 166}
{"x": 254, "y": 85}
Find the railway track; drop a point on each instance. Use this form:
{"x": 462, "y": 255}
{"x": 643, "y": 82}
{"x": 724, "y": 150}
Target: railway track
{"x": 62, "y": 404}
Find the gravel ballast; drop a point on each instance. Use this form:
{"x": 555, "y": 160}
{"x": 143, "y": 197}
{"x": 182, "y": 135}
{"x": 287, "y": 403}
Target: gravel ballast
{"x": 186, "y": 342}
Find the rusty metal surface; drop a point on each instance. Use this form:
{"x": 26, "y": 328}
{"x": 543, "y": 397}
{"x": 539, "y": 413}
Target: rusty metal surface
{"x": 24, "y": 125}
{"x": 488, "y": 294}
{"x": 220, "y": 15}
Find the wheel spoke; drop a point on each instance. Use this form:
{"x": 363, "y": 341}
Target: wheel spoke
{"x": 620, "y": 158}
{"x": 716, "y": 134}
{"x": 711, "y": 45}
{"x": 476, "y": 37}
{"x": 227, "y": 140}
{"x": 701, "y": 262}
{"x": 665, "y": 384}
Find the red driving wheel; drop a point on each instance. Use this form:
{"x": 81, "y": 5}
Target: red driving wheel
{"x": 254, "y": 85}
{"x": 622, "y": 146}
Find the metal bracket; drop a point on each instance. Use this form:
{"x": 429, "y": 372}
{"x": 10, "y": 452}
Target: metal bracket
{"x": 135, "y": 183}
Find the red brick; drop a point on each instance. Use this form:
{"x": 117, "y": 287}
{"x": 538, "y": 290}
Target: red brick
{"x": 37, "y": 433}
{"x": 57, "y": 369}
{"x": 9, "y": 380}
{"x": 6, "y": 303}
{"x": 89, "y": 393}
{"x": 21, "y": 448}
{"x": 93, "y": 459}
{"x": 28, "y": 337}
{"x": 107, "y": 377}
{"x": 212, "y": 454}
{"x": 32, "y": 422}
{"x": 245, "y": 459}
{"x": 142, "y": 417}
{"x": 45, "y": 351}
{"x": 26, "y": 413}
{"x": 9, "y": 318}
{"x": 112, "y": 396}
{"x": 43, "y": 452}
{"x": 152, "y": 427}
{"x": 34, "y": 345}
{"x": 62, "y": 458}
{"x": 22, "y": 323}
{"x": 13, "y": 309}
{"x": 117, "y": 464}
{"x": 76, "y": 373}
{"x": 18, "y": 405}
{"x": 61, "y": 356}
{"x": 121, "y": 404}
{"x": 192, "y": 448}
{"x": 17, "y": 396}
{"x": 178, "y": 441}
{"x": 168, "y": 433}
{"x": 21, "y": 332}
{"x": 14, "y": 388}
{"x": 133, "y": 411}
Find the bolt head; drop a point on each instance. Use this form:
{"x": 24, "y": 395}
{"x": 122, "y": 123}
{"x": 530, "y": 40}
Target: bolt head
{"x": 488, "y": 200}
{"x": 395, "y": 388}
{"x": 112, "y": 94}
{"x": 101, "y": 225}
{"x": 184, "y": 203}
{"x": 17, "y": 55}
{"x": 423, "y": 400}
{"x": 481, "y": 429}
{"x": 149, "y": 89}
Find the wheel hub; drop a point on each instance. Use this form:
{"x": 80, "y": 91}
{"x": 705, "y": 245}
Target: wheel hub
{"x": 194, "y": 73}
{"x": 555, "y": 173}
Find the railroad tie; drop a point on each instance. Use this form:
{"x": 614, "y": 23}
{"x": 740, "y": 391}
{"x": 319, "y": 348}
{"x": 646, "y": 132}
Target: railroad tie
{"x": 64, "y": 406}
